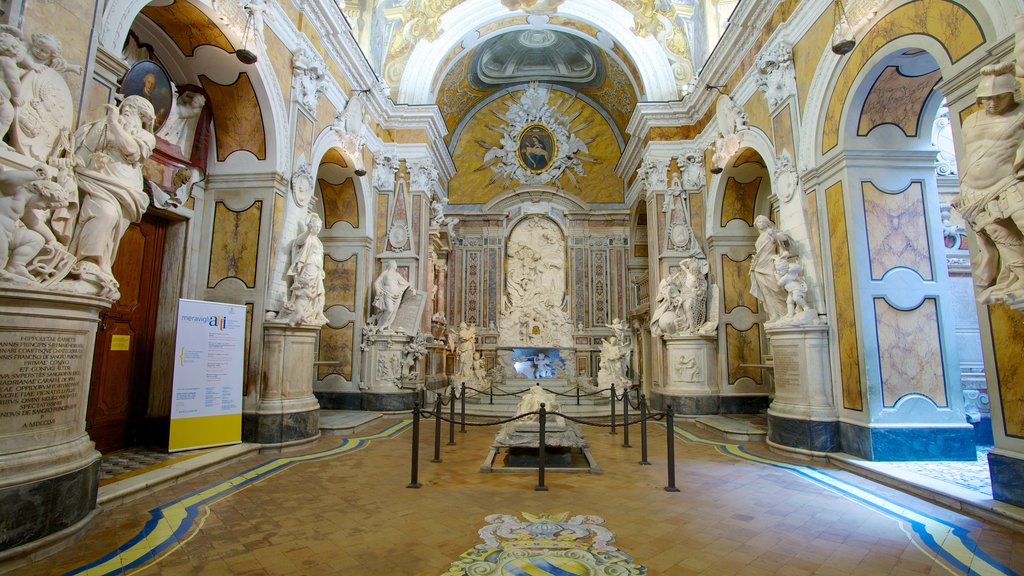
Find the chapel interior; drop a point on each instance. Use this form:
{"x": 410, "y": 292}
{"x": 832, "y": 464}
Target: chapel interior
{"x": 795, "y": 216}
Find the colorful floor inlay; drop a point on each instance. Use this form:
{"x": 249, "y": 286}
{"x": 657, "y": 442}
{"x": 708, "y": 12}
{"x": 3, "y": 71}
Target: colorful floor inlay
{"x": 543, "y": 545}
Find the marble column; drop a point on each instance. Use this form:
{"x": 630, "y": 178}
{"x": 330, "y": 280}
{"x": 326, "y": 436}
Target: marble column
{"x": 287, "y": 411}
{"x": 50, "y": 466}
{"x": 689, "y": 375}
{"x": 802, "y": 416}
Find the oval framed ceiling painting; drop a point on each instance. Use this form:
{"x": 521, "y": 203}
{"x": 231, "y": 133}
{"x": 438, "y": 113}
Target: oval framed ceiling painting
{"x": 537, "y": 148}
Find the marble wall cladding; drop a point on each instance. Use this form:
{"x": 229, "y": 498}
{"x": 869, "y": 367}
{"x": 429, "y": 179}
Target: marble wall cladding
{"x": 758, "y": 116}
{"x": 280, "y": 205}
{"x": 897, "y": 99}
{"x": 946, "y": 22}
{"x": 381, "y": 223}
{"x": 340, "y": 282}
{"x": 340, "y": 202}
{"x": 736, "y": 285}
{"x": 1007, "y": 331}
{"x": 599, "y": 287}
{"x": 807, "y": 52}
{"x": 471, "y": 281}
{"x": 842, "y": 281}
{"x": 336, "y": 344}
{"x": 738, "y": 200}
{"x": 697, "y": 212}
{"x": 325, "y": 113}
{"x": 303, "y": 137}
{"x": 491, "y": 286}
{"x": 783, "y": 130}
{"x": 281, "y": 61}
{"x": 187, "y": 26}
{"x": 237, "y": 118}
{"x": 897, "y": 230}
{"x": 580, "y": 292}
{"x": 811, "y": 212}
{"x": 234, "y": 248}
{"x": 743, "y": 347}
{"x": 910, "y": 352}
{"x": 620, "y": 289}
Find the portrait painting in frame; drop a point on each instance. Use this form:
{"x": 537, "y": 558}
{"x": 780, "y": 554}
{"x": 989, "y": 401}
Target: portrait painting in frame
{"x": 536, "y": 150}
{"x": 148, "y": 79}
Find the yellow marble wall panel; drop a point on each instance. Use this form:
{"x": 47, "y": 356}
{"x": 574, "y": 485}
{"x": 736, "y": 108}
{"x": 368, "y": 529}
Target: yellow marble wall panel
{"x": 758, "y": 116}
{"x": 640, "y": 250}
{"x": 697, "y": 211}
{"x": 281, "y": 60}
{"x": 292, "y": 10}
{"x": 303, "y": 139}
{"x": 897, "y": 231}
{"x": 1007, "y": 329}
{"x": 782, "y": 124}
{"x": 897, "y": 99}
{"x": 474, "y": 183}
{"x": 738, "y": 200}
{"x": 234, "y": 248}
{"x": 744, "y": 347}
{"x": 340, "y": 282}
{"x": 811, "y": 211}
{"x": 237, "y": 118}
{"x": 340, "y": 203}
{"x": 325, "y": 114}
{"x": 187, "y": 26}
{"x": 748, "y": 155}
{"x": 807, "y": 52}
{"x": 736, "y": 284}
{"x": 336, "y": 345}
{"x": 381, "y": 224}
{"x": 415, "y": 136}
{"x": 334, "y": 156}
{"x": 909, "y": 352}
{"x": 280, "y": 205}
{"x": 946, "y": 22}
{"x": 846, "y": 319}
{"x": 69, "y": 21}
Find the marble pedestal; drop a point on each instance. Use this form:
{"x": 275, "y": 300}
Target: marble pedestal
{"x": 384, "y": 382}
{"x": 690, "y": 375}
{"x": 802, "y": 416}
{"x": 287, "y": 411}
{"x": 50, "y": 467}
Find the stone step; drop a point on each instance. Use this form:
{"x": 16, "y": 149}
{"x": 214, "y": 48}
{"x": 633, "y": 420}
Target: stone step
{"x": 739, "y": 427}
{"x": 346, "y": 422}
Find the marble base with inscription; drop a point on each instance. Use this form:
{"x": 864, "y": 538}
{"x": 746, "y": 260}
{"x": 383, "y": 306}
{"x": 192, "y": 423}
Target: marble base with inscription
{"x": 802, "y": 415}
{"x": 287, "y": 411}
{"x": 691, "y": 374}
{"x": 50, "y": 466}
{"x": 383, "y": 362}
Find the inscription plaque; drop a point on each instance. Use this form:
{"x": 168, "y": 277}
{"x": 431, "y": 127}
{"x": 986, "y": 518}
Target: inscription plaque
{"x": 787, "y": 365}
{"x": 41, "y": 378}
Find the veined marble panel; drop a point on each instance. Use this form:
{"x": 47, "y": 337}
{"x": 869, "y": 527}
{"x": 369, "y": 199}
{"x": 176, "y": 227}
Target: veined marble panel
{"x": 811, "y": 212}
{"x": 493, "y": 297}
{"x": 281, "y": 60}
{"x": 579, "y": 269}
{"x": 234, "y": 248}
{"x": 599, "y": 285}
{"x": 807, "y": 52}
{"x": 340, "y": 282}
{"x": 758, "y": 116}
{"x": 748, "y": 155}
{"x": 280, "y": 205}
{"x": 325, "y": 113}
{"x": 743, "y": 347}
{"x": 736, "y": 284}
{"x": 909, "y": 352}
{"x": 340, "y": 202}
{"x": 783, "y": 126}
{"x": 897, "y": 231}
{"x": 472, "y": 284}
{"x": 846, "y": 319}
{"x": 188, "y": 27}
{"x": 697, "y": 211}
{"x": 336, "y": 344}
{"x": 897, "y": 99}
{"x": 738, "y": 200}
{"x": 1007, "y": 328}
{"x": 303, "y": 137}
{"x": 237, "y": 118}
{"x": 381, "y": 225}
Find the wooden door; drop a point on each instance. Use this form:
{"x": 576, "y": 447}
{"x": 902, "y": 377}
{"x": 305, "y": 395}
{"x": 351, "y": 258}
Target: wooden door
{"x": 124, "y": 342}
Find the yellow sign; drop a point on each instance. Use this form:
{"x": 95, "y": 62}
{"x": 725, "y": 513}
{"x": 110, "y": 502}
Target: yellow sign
{"x": 120, "y": 342}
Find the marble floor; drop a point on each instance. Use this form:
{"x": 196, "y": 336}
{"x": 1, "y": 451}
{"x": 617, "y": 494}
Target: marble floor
{"x": 341, "y": 506}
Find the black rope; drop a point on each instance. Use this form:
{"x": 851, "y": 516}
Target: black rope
{"x": 650, "y": 416}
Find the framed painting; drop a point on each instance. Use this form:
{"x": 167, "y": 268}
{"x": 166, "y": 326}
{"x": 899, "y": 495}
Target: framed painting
{"x": 537, "y": 148}
{"x": 148, "y": 79}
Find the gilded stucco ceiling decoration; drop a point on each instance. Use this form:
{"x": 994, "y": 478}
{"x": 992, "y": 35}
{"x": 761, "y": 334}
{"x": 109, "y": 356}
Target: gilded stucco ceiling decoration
{"x": 536, "y": 54}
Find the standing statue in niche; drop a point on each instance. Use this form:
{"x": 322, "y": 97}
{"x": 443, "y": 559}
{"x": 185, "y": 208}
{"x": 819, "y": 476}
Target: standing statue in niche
{"x": 388, "y": 290}
{"x": 466, "y": 350}
{"x": 111, "y": 152}
{"x": 764, "y": 284}
{"x": 991, "y": 196}
{"x": 305, "y": 303}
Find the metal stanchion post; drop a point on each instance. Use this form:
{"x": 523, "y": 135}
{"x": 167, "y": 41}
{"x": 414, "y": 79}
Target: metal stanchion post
{"x": 462, "y": 400}
{"x": 625, "y": 419}
{"x": 490, "y": 393}
{"x": 451, "y": 416}
{"x": 671, "y": 451}
{"x": 643, "y": 431}
{"x": 414, "y": 482}
{"x": 577, "y": 392}
{"x": 614, "y": 400}
{"x": 437, "y": 430}
{"x": 540, "y": 460}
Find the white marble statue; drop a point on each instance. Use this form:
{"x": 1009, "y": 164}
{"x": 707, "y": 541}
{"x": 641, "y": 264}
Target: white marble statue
{"x": 535, "y": 312}
{"x": 13, "y": 59}
{"x": 306, "y": 293}
{"x": 307, "y": 78}
{"x": 411, "y": 354}
{"x": 532, "y": 400}
{"x": 44, "y": 120}
{"x": 611, "y": 371}
{"x": 730, "y": 120}
{"x": 26, "y": 196}
{"x": 764, "y": 285}
{"x": 466, "y": 351}
{"x": 388, "y": 290}
{"x": 789, "y": 276}
{"x": 182, "y": 122}
{"x": 681, "y": 306}
{"x": 991, "y": 196}
{"x": 111, "y": 151}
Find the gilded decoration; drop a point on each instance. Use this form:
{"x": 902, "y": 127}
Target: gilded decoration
{"x": 1007, "y": 328}
{"x": 898, "y": 100}
{"x": 909, "y": 352}
{"x": 234, "y": 248}
{"x": 846, "y": 317}
{"x": 744, "y": 347}
{"x": 950, "y": 24}
{"x": 237, "y": 118}
{"x": 897, "y": 231}
{"x": 419, "y": 20}
{"x": 340, "y": 204}
{"x": 188, "y": 27}
{"x": 736, "y": 285}
{"x": 336, "y": 344}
